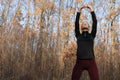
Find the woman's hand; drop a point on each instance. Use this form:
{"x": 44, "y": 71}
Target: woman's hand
{"x": 83, "y": 6}
{"x": 90, "y": 7}
{"x": 86, "y": 6}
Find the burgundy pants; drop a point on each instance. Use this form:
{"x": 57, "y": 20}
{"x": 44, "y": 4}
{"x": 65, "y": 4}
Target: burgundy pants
{"x": 89, "y": 65}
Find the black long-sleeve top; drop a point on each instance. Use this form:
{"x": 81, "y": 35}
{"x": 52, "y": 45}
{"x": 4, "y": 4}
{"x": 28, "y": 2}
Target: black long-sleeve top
{"x": 85, "y": 40}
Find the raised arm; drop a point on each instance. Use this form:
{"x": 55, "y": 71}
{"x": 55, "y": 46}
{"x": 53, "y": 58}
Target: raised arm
{"x": 77, "y": 32}
{"x": 94, "y": 24}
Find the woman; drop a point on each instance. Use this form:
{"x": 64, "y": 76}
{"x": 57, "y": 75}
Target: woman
{"x": 85, "y": 47}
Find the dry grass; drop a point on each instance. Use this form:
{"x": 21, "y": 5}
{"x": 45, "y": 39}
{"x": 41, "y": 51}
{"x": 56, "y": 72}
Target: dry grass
{"x": 108, "y": 63}
{"x": 26, "y": 54}
{"x": 24, "y": 57}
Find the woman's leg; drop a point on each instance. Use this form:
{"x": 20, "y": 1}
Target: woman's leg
{"x": 93, "y": 71}
{"x": 77, "y": 71}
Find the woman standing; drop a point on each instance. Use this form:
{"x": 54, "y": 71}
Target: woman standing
{"x": 85, "y": 47}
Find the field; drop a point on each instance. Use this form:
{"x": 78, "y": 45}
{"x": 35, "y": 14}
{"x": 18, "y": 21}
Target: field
{"x": 37, "y": 39}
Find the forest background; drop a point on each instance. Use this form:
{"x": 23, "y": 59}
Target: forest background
{"x": 37, "y": 39}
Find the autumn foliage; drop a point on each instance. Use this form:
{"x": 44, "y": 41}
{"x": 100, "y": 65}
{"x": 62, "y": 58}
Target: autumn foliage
{"x": 37, "y": 39}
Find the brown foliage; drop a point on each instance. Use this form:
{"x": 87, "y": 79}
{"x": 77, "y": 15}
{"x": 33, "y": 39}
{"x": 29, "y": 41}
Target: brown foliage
{"x": 107, "y": 64}
{"x": 42, "y": 49}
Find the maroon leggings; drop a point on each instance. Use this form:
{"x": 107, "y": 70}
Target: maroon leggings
{"x": 89, "y": 65}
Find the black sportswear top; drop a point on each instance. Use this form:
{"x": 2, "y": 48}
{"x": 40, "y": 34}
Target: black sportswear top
{"x": 85, "y": 40}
